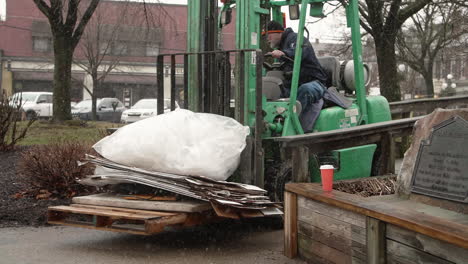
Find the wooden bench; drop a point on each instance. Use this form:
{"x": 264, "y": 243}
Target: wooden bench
{"x": 337, "y": 227}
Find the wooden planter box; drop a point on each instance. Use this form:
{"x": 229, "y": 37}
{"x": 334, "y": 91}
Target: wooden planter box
{"x": 337, "y": 227}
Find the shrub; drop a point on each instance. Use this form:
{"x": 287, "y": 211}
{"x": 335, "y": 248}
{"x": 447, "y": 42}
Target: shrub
{"x": 10, "y": 132}
{"x": 52, "y": 170}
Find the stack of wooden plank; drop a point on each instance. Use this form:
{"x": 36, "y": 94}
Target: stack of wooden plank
{"x": 220, "y": 194}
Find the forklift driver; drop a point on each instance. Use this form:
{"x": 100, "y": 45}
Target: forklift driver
{"x": 312, "y": 77}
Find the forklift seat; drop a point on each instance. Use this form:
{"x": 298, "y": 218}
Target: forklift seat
{"x": 331, "y": 65}
{"x": 272, "y": 85}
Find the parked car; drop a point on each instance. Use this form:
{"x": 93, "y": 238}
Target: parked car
{"x": 107, "y": 109}
{"x": 143, "y": 109}
{"x": 34, "y": 104}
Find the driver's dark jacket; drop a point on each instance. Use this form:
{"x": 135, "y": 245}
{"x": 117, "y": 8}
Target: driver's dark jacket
{"x": 310, "y": 66}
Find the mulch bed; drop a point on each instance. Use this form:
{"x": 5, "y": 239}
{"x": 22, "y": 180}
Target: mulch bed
{"x": 367, "y": 187}
{"x": 15, "y": 211}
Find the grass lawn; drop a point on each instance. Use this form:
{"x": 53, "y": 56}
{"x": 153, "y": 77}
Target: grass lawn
{"x": 43, "y": 132}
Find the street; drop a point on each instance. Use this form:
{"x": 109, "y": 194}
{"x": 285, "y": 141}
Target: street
{"x": 235, "y": 243}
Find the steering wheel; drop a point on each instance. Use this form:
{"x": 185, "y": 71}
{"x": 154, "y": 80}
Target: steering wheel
{"x": 275, "y": 66}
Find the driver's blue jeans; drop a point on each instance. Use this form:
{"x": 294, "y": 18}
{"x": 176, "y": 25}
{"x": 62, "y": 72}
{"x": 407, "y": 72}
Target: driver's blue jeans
{"x": 310, "y": 96}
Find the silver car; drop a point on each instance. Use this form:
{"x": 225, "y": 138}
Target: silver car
{"x": 107, "y": 109}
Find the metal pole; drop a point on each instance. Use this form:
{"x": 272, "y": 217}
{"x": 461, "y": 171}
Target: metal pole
{"x": 160, "y": 84}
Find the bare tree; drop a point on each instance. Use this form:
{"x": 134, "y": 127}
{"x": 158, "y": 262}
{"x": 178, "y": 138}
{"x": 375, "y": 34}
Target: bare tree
{"x": 67, "y": 28}
{"x": 100, "y": 49}
{"x": 434, "y": 28}
{"x": 135, "y": 31}
{"x": 382, "y": 20}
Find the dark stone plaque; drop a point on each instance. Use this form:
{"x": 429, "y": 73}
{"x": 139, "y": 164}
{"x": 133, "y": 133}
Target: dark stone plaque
{"x": 441, "y": 168}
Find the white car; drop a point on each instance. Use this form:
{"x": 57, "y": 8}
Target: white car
{"x": 143, "y": 109}
{"x": 34, "y": 104}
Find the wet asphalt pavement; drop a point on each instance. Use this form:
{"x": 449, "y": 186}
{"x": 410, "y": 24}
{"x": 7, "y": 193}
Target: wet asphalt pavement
{"x": 220, "y": 243}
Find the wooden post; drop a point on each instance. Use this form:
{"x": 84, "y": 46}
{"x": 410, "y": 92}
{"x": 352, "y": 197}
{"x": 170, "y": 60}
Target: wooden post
{"x": 405, "y": 140}
{"x": 246, "y": 164}
{"x": 385, "y": 156}
{"x": 376, "y": 245}
{"x": 390, "y": 143}
{"x": 290, "y": 224}
{"x": 300, "y": 164}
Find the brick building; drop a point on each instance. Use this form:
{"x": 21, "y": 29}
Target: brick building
{"x": 26, "y": 51}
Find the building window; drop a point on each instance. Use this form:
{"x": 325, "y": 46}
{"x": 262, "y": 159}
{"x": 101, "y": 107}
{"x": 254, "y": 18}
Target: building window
{"x": 152, "y": 49}
{"x": 137, "y": 49}
{"x": 2, "y": 10}
{"x": 104, "y": 48}
{"x": 120, "y": 48}
{"x": 42, "y": 44}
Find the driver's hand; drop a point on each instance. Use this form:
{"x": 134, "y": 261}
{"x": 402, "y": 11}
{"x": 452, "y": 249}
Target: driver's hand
{"x": 277, "y": 54}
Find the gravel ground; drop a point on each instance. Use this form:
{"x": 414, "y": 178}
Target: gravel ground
{"x": 15, "y": 212}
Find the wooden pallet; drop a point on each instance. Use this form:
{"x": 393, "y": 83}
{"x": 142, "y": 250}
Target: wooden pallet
{"x": 114, "y": 200}
{"x": 124, "y": 220}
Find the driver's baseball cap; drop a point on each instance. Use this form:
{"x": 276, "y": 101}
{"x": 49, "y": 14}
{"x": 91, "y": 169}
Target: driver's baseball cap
{"x": 273, "y": 27}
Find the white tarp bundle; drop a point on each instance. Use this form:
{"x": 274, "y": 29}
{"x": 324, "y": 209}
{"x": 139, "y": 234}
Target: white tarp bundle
{"x": 180, "y": 142}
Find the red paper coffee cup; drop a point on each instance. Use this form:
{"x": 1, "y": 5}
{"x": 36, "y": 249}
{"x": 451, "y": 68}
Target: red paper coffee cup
{"x": 326, "y": 173}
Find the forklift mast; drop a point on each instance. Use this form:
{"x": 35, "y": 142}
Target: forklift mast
{"x": 202, "y": 33}
{"x": 202, "y": 36}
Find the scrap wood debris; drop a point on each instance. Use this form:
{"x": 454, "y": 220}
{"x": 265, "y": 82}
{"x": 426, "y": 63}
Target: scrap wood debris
{"x": 366, "y": 187}
{"x": 226, "y": 194}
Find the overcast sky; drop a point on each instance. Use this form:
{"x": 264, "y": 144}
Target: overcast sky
{"x": 330, "y": 29}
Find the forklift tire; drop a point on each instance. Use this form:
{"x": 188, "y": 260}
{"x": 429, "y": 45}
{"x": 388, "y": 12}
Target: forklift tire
{"x": 277, "y": 175}
{"x": 283, "y": 176}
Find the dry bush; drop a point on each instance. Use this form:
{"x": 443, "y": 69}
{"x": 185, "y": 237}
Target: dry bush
{"x": 52, "y": 170}
{"x": 10, "y": 114}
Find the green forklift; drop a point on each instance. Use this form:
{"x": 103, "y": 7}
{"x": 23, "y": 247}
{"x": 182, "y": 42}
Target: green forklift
{"x": 239, "y": 83}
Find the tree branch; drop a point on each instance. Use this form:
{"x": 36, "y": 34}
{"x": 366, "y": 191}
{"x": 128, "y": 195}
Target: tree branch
{"x": 364, "y": 12}
{"x": 56, "y": 7}
{"x": 43, "y": 7}
{"x": 367, "y": 28}
{"x": 375, "y": 21}
{"x": 72, "y": 15}
{"x": 410, "y": 10}
{"x": 84, "y": 20}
